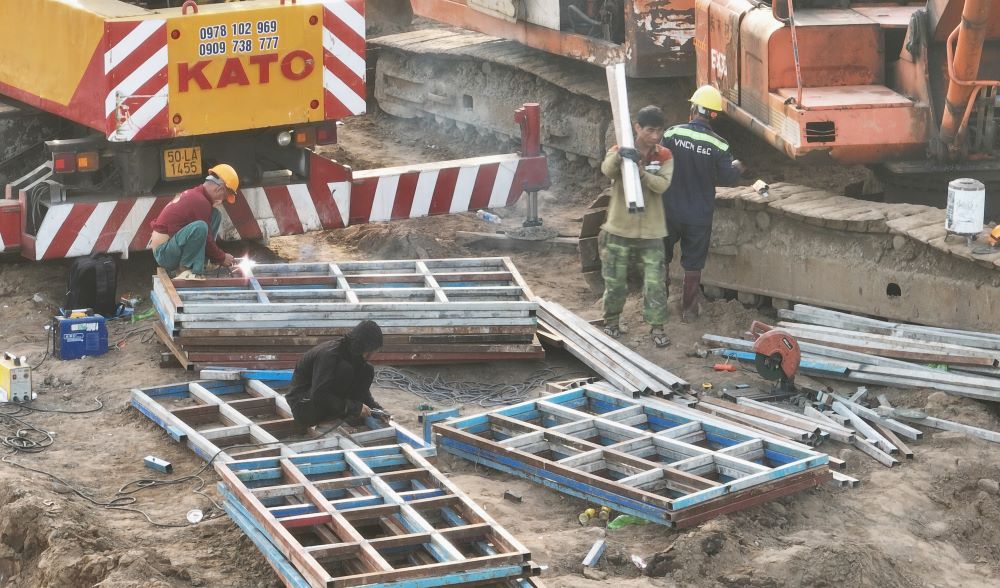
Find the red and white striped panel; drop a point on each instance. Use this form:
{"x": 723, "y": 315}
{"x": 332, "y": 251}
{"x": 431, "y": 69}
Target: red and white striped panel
{"x": 332, "y": 199}
{"x": 10, "y": 224}
{"x": 343, "y": 58}
{"x": 441, "y": 188}
{"x": 135, "y": 65}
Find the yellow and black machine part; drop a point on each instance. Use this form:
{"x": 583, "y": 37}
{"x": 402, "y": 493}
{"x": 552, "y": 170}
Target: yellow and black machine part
{"x": 15, "y": 378}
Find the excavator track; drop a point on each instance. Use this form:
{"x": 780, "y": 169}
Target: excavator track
{"x": 469, "y": 79}
{"x": 806, "y": 245}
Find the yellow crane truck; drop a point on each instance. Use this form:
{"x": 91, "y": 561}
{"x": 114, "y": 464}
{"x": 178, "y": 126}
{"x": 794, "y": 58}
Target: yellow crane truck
{"x": 108, "y": 108}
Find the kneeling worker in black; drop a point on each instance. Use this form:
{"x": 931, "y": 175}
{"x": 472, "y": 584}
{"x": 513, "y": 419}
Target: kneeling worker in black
{"x": 333, "y": 379}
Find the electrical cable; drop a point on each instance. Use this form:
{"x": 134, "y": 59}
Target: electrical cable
{"x": 23, "y": 436}
{"x": 27, "y": 406}
{"x": 144, "y": 339}
{"x": 443, "y": 391}
{"x": 26, "y": 438}
{"x": 124, "y": 498}
{"x": 48, "y": 347}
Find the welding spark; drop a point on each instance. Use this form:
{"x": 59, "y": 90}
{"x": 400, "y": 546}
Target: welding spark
{"x": 246, "y": 265}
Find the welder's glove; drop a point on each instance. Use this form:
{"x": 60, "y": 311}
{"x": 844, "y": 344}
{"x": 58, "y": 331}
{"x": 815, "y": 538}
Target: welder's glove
{"x": 630, "y": 153}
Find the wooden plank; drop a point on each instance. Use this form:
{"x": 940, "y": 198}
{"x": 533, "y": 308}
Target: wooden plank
{"x": 590, "y": 254}
{"x": 168, "y": 286}
{"x": 175, "y": 350}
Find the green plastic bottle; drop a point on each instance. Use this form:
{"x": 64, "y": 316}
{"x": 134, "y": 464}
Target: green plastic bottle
{"x": 626, "y": 520}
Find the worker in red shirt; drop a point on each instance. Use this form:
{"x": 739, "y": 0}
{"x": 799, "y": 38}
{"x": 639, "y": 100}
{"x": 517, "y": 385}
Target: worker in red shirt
{"x": 185, "y": 231}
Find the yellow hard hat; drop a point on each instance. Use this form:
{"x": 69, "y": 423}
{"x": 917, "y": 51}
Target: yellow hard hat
{"x": 229, "y": 177}
{"x": 708, "y": 97}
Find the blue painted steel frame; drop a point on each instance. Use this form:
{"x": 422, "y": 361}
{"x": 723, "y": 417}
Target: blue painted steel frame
{"x": 227, "y": 387}
{"x": 787, "y": 459}
{"x": 430, "y": 418}
{"x": 284, "y": 568}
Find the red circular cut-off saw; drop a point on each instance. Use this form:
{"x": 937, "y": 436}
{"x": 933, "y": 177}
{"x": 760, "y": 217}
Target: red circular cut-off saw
{"x": 777, "y": 356}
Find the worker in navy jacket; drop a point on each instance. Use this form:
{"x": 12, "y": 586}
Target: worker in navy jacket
{"x": 702, "y": 161}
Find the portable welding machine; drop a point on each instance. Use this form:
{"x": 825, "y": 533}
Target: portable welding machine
{"x": 80, "y": 334}
{"x": 15, "y": 378}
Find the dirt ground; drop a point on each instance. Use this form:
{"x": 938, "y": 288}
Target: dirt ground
{"x": 934, "y": 521}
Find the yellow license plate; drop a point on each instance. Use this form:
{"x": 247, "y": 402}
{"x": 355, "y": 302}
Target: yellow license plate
{"x": 181, "y": 162}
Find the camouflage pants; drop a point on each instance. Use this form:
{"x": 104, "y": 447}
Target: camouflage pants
{"x": 615, "y": 254}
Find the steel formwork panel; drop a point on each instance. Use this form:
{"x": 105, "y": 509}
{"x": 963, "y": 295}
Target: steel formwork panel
{"x": 222, "y": 420}
{"x": 651, "y": 458}
{"x": 372, "y": 517}
{"x": 435, "y": 310}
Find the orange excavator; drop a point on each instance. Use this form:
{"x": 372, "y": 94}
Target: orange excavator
{"x": 900, "y": 88}
{"x": 906, "y": 88}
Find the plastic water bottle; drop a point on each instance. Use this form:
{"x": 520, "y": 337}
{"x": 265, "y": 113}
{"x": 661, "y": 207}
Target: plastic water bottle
{"x": 489, "y": 217}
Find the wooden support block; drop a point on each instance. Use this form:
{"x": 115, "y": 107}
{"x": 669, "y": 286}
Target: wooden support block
{"x": 592, "y": 221}
{"x": 590, "y": 254}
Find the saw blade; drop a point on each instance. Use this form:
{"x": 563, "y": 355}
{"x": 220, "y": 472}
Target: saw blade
{"x": 768, "y": 366}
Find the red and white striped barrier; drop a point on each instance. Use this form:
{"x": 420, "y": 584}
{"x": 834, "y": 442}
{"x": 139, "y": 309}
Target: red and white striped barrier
{"x": 333, "y": 198}
{"x": 135, "y": 69}
{"x": 343, "y": 59}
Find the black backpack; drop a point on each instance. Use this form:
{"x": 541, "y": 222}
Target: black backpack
{"x": 93, "y": 283}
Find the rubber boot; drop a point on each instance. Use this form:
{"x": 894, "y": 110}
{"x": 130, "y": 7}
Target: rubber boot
{"x": 689, "y": 302}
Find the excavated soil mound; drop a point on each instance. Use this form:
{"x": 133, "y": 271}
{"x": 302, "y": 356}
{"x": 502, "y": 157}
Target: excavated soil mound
{"x": 45, "y": 541}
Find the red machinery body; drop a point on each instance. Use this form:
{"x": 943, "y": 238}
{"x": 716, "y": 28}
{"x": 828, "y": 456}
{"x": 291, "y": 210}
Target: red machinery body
{"x": 832, "y": 96}
{"x": 654, "y": 38}
{"x": 863, "y": 84}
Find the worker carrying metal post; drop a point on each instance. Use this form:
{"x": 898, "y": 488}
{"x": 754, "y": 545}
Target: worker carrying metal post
{"x": 333, "y": 379}
{"x": 624, "y": 232}
{"x": 185, "y": 230}
{"x": 702, "y": 161}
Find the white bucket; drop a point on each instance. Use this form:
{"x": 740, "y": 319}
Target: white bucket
{"x": 966, "y": 207}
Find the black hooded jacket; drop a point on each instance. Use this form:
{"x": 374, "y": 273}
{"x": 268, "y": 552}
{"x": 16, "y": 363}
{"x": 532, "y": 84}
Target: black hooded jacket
{"x": 333, "y": 380}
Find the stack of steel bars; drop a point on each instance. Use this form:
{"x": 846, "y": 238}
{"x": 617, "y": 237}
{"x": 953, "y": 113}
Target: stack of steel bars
{"x": 869, "y": 351}
{"x": 431, "y": 311}
{"x": 623, "y": 368}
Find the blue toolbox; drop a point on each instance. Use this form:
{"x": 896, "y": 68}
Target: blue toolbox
{"x": 79, "y": 336}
